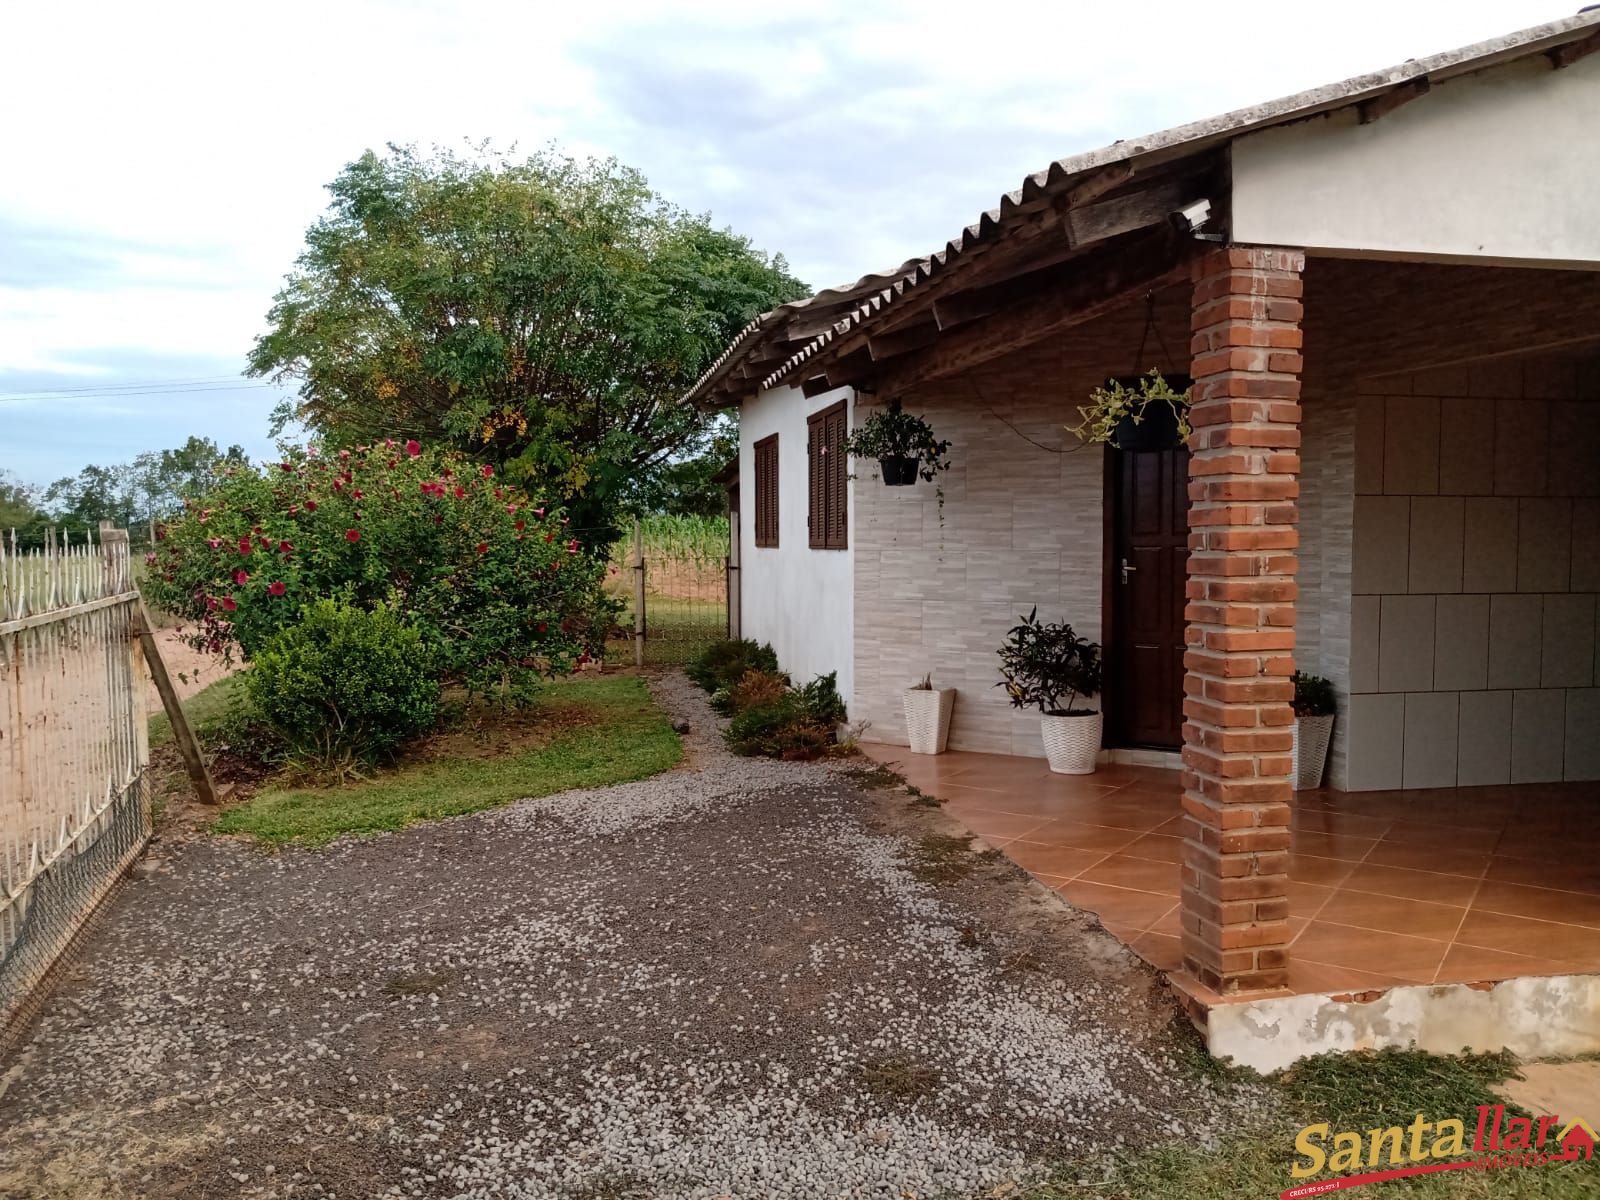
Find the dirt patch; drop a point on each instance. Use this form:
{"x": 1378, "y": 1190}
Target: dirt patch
{"x": 189, "y": 669}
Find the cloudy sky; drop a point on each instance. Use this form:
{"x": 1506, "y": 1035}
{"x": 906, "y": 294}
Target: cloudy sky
{"x": 160, "y": 161}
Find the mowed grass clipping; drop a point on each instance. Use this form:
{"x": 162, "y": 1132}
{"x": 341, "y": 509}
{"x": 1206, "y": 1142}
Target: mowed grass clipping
{"x": 599, "y": 732}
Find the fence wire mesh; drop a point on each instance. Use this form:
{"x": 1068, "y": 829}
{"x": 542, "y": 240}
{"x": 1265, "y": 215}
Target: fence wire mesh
{"x": 685, "y": 591}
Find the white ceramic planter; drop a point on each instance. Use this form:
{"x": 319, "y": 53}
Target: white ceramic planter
{"x": 1312, "y": 736}
{"x": 928, "y": 718}
{"x": 1071, "y": 743}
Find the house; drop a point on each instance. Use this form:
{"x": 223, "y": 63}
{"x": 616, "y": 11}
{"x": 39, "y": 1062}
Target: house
{"x": 1387, "y": 294}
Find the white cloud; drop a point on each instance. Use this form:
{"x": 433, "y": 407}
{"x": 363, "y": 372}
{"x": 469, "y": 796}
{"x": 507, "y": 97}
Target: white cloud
{"x": 162, "y": 161}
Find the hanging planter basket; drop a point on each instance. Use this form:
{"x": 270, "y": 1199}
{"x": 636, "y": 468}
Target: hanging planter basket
{"x": 1158, "y": 426}
{"x": 898, "y": 471}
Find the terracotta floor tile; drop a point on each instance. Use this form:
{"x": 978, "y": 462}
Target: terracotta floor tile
{"x": 1063, "y": 862}
{"x": 1162, "y": 951}
{"x": 1307, "y": 899}
{"x": 1170, "y": 922}
{"x": 1328, "y": 872}
{"x": 1417, "y": 857}
{"x": 1081, "y": 836}
{"x": 1141, "y": 874}
{"x": 1330, "y": 845}
{"x": 1117, "y": 906}
{"x": 1308, "y": 978}
{"x": 1564, "y": 874}
{"x": 1471, "y": 964}
{"x": 1162, "y": 847}
{"x": 1543, "y": 904}
{"x": 1393, "y": 914}
{"x": 1390, "y": 954}
{"x": 1410, "y": 885}
{"x": 1141, "y": 818}
{"x": 990, "y": 825}
{"x": 1431, "y": 833}
{"x": 1340, "y": 824}
{"x": 1577, "y": 944}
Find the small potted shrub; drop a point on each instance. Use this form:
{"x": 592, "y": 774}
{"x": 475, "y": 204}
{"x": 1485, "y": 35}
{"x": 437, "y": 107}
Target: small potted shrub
{"x": 1143, "y": 413}
{"x": 1050, "y": 667}
{"x": 1314, "y": 707}
{"x": 904, "y": 446}
{"x": 928, "y": 716}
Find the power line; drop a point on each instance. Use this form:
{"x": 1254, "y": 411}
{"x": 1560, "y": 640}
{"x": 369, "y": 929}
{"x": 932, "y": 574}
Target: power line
{"x": 155, "y": 391}
{"x": 103, "y": 387}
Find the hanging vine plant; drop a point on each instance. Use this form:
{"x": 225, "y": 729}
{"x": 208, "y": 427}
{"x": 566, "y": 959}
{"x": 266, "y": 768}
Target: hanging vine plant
{"x": 903, "y": 444}
{"x": 1143, "y": 413}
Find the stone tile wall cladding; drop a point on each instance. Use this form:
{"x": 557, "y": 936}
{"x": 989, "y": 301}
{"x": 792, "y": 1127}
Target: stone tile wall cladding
{"x": 1473, "y": 649}
{"x": 1023, "y": 526}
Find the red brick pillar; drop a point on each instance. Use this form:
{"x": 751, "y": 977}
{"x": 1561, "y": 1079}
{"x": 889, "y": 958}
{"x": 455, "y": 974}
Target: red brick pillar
{"x": 1243, "y": 466}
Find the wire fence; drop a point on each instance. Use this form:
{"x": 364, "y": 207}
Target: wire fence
{"x": 679, "y": 585}
{"x": 74, "y": 749}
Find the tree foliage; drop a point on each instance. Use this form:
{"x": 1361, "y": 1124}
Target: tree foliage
{"x": 19, "y": 510}
{"x": 541, "y": 313}
{"x": 152, "y": 487}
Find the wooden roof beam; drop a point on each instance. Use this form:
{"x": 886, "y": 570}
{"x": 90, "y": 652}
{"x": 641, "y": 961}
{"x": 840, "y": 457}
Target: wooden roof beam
{"x": 901, "y": 341}
{"x": 1396, "y": 97}
{"x": 1098, "y": 285}
{"x": 1111, "y": 218}
{"x": 1565, "y": 56}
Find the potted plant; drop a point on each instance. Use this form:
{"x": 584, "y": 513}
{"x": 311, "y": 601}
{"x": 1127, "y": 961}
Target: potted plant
{"x": 1051, "y": 667}
{"x": 928, "y": 716}
{"x": 904, "y": 446}
{"x": 1314, "y": 707}
{"x": 1142, "y": 413}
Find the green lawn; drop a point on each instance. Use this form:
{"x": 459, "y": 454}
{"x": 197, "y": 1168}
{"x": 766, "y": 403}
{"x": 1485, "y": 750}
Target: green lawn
{"x": 205, "y": 709}
{"x": 1351, "y": 1092}
{"x": 600, "y": 732}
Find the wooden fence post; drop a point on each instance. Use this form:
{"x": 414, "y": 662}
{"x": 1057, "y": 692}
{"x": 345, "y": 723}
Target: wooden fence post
{"x": 638, "y": 593}
{"x": 182, "y": 733}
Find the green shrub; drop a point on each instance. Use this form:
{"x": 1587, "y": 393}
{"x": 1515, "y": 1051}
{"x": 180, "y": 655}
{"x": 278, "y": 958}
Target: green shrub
{"x": 723, "y": 664}
{"x": 754, "y": 689}
{"x": 1314, "y": 696}
{"x": 798, "y": 723}
{"x": 492, "y": 578}
{"x": 345, "y": 685}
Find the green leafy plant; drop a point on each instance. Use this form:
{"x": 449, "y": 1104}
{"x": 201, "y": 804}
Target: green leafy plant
{"x": 754, "y": 689}
{"x": 490, "y": 577}
{"x": 1313, "y": 696}
{"x": 895, "y": 433}
{"x": 798, "y": 723}
{"x": 344, "y": 686}
{"x": 1115, "y": 401}
{"x": 1048, "y": 666}
{"x": 723, "y": 664}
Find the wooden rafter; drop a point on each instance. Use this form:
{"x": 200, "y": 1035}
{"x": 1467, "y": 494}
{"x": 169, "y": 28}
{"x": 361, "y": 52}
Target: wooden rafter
{"x": 1097, "y": 285}
{"x": 1565, "y": 56}
{"x": 1396, "y": 97}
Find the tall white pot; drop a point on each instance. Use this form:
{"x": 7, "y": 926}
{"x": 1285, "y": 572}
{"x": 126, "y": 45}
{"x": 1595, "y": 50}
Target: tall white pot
{"x": 1071, "y": 743}
{"x": 1312, "y": 736}
{"x": 928, "y": 718}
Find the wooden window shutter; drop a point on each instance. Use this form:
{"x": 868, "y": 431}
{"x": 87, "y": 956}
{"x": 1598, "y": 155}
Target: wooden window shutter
{"x": 829, "y": 478}
{"x": 766, "y": 491}
{"x": 816, "y": 480}
{"x": 838, "y": 482}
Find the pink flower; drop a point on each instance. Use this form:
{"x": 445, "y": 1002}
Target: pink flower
{"x": 276, "y": 588}
{"x": 213, "y": 542}
{"x": 229, "y": 604}
{"x": 488, "y": 471}
{"x": 211, "y": 604}
{"x": 294, "y": 509}
{"x": 344, "y": 454}
{"x": 413, "y": 447}
{"x": 539, "y": 512}
{"x": 572, "y": 546}
{"x": 352, "y": 535}
{"x": 511, "y": 509}
{"x": 244, "y": 545}
{"x": 241, "y": 576}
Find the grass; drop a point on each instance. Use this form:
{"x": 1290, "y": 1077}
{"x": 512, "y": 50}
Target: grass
{"x": 1355, "y": 1092}
{"x": 206, "y": 710}
{"x": 939, "y": 858}
{"x": 597, "y": 732}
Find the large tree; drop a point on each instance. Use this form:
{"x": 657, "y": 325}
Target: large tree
{"x": 150, "y": 488}
{"x": 541, "y": 313}
{"x": 19, "y": 510}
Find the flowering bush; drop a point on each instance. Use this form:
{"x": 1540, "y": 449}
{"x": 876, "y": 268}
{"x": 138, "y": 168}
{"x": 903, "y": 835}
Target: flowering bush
{"x": 494, "y": 582}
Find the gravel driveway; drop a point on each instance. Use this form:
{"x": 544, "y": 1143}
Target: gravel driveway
{"x": 738, "y": 979}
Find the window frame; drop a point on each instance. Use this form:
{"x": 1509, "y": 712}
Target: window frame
{"x": 764, "y": 456}
{"x": 828, "y": 478}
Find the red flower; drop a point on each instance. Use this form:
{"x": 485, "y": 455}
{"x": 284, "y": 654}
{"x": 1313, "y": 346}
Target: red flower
{"x": 287, "y": 468}
{"x": 241, "y": 576}
{"x": 293, "y": 509}
{"x": 211, "y": 603}
{"x": 511, "y": 509}
{"x": 572, "y": 546}
{"x": 521, "y": 525}
{"x": 461, "y": 492}
{"x": 483, "y": 547}
{"x": 244, "y": 545}
{"x": 539, "y": 512}
{"x": 276, "y": 588}
{"x": 413, "y": 447}
{"x": 544, "y": 626}
{"x": 549, "y": 537}
{"x": 488, "y": 471}
{"x": 357, "y": 494}
{"x": 393, "y": 462}
{"x": 229, "y": 604}
{"x": 352, "y": 535}
{"x": 213, "y": 542}
{"x": 311, "y": 506}
{"x": 344, "y": 454}
{"x": 285, "y": 547}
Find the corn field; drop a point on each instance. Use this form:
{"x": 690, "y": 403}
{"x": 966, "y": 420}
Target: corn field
{"x": 685, "y": 587}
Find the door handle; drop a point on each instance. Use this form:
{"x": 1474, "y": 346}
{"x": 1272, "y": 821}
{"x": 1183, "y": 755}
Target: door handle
{"x": 1125, "y": 569}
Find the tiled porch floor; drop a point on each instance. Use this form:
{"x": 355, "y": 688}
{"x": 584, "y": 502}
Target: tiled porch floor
{"x": 1386, "y": 888}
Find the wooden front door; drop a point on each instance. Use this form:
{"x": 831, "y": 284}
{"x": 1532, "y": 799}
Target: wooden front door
{"x": 1150, "y": 547}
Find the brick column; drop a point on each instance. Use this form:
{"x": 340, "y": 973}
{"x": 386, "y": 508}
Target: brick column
{"x": 1243, "y": 467}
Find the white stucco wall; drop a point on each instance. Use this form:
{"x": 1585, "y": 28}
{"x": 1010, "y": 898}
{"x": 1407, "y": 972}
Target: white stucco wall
{"x": 1499, "y": 164}
{"x": 799, "y": 599}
